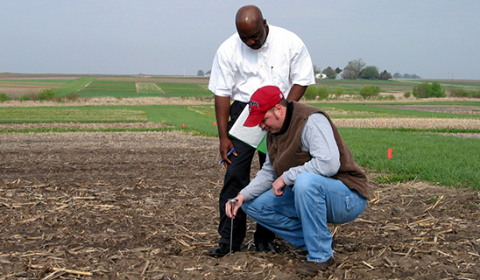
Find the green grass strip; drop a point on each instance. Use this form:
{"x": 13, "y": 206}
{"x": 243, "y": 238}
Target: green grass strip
{"x": 70, "y": 114}
{"x": 448, "y": 160}
{"x": 195, "y": 119}
{"x": 73, "y": 86}
{"x": 115, "y": 94}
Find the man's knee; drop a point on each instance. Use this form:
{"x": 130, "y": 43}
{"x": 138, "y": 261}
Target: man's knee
{"x": 259, "y": 205}
{"x": 250, "y": 209}
{"x": 305, "y": 182}
{"x": 304, "y": 178}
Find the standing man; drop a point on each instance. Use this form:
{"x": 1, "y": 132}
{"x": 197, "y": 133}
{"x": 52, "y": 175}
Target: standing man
{"x": 258, "y": 54}
{"x": 309, "y": 178}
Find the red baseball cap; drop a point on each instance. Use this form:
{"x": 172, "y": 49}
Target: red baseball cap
{"x": 264, "y": 99}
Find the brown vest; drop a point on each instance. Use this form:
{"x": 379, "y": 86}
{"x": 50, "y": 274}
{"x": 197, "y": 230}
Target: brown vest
{"x": 285, "y": 150}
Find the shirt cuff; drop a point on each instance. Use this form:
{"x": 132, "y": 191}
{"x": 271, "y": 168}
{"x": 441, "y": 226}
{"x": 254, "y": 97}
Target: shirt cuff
{"x": 287, "y": 180}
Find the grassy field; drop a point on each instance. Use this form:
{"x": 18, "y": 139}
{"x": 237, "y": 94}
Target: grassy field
{"x": 73, "y": 86}
{"x": 423, "y": 154}
{"x": 71, "y": 114}
{"x": 419, "y": 154}
{"x": 367, "y": 110}
{"x": 130, "y": 89}
{"x": 162, "y": 86}
{"x": 443, "y": 160}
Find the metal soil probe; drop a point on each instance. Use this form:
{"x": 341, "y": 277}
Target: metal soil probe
{"x": 231, "y": 200}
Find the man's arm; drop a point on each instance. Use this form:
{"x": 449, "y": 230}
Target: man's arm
{"x": 318, "y": 139}
{"x": 301, "y": 69}
{"x": 262, "y": 182}
{"x": 222, "y": 112}
{"x": 296, "y": 92}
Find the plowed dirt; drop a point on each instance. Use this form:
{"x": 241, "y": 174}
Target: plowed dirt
{"x": 144, "y": 206}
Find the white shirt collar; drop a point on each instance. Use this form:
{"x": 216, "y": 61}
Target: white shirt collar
{"x": 267, "y": 40}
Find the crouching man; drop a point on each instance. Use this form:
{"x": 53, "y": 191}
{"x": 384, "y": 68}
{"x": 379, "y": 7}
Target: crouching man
{"x": 309, "y": 178}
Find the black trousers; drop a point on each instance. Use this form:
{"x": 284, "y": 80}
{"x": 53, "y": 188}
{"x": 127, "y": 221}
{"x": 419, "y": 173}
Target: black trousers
{"x": 236, "y": 178}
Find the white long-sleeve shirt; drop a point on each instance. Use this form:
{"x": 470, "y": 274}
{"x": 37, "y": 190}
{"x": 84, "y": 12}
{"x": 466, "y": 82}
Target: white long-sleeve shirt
{"x": 317, "y": 139}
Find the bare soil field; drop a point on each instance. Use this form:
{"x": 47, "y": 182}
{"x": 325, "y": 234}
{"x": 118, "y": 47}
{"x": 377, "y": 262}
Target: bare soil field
{"x": 144, "y": 206}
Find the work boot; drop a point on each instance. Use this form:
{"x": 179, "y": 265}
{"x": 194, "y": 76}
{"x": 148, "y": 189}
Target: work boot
{"x": 265, "y": 247}
{"x": 222, "y": 250}
{"x": 312, "y": 268}
{"x": 301, "y": 251}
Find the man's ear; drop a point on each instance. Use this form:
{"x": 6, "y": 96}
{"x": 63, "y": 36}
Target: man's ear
{"x": 279, "y": 110}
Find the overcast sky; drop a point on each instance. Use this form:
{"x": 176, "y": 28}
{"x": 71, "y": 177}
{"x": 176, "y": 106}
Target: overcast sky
{"x": 431, "y": 38}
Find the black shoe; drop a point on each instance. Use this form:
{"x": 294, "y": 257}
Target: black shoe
{"x": 222, "y": 250}
{"x": 301, "y": 251}
{"x": 265, "y": 247}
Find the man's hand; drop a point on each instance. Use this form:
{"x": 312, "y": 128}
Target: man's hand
{"x": 238, "y": 204}
{"x": 222, "y": 111}
{"x": 278, "y": 186}
{"x": 225, "y": 146}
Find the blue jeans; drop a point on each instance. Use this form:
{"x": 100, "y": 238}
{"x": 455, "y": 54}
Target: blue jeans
{"x": 301, "y": 215}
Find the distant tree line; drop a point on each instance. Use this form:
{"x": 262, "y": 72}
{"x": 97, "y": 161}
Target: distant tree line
{"x": 406, "y": 76}
{"x": 201, "y": 73}
{"x": 357, "y": 69}
{"x": 465, "y": 93}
